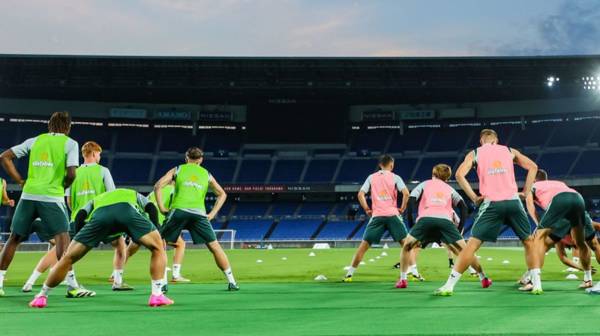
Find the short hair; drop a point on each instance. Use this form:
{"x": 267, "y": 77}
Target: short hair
{"x": 385, "y": 160}
{"x": 541, "y": 175}
{"x": 60, "y": 122}
{"x": 90, "y": 147}
{"x": 442, "y": 171}
{"x": 488, "y": 132}
{"x": 194, "y": 153}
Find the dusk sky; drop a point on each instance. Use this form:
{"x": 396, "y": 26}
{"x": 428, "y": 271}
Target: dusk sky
{"x": 301, "y": 27}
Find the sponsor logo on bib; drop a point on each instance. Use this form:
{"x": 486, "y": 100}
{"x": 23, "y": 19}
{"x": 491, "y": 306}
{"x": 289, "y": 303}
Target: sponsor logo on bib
{"x": 496, "y": 168}
{"x": 43, "y": 161}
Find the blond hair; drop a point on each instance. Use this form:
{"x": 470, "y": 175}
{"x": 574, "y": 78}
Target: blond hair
{"x": 89, "y": 148}
{"x": 442, "y": 171}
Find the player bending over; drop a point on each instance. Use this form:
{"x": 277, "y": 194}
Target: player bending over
{"x": 435, "y": 220}
{"x": 110, "y": 215}
{"x": 188, "y": 211}
{"x": 92, "y": 180}
{"x": 564, "y": 212}
{"x": 53, "y": 158}
{"x": 384, "y": 186}
{"x": 499, "y": 203}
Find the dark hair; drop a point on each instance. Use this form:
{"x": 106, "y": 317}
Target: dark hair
{"x": 385, "y": 160}
{"x": 541, "y": 175}
{"x": 60, "y": 122}
{"x": 194, "y": 153}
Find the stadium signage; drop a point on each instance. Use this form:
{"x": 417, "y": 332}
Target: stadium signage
{"x": 128, "y": 113}
{"x": 417, "y": 114}
{"x": 173, "y": 115}
{"x": 378, "y": 115}
{"x": 215, "y": 116}
{"x": 278, "y": 188}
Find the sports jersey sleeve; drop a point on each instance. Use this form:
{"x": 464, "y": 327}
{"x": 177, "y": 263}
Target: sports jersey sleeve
{"x": 456, "y": 198}
{"x": 24, "y": 148}
{"x": 88, "y": 207}
{"x": 367, "y": 185}
{"x": 71, "y": 148}
{"x": 142, "y": 201}
{"x": 418, "y": 190}
{"x": 399, "y": 182}
{"x": 109, "y": 183}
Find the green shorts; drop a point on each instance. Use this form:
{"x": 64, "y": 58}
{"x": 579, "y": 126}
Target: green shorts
{"x": 198, "y": 226}
{"x": 53, "y": 216}
{"x": 566, "y": 210}
{"x": 431, "y": 229}
{"x": 491, "y": 216}
{"x": 110, "y": 222}
{"x": 107, "y": 240}
{"x": 378, "y": 225}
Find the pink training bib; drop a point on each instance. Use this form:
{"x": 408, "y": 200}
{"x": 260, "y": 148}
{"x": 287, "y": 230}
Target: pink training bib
{"x": 496, "y": 172}
{"x": 436, "y": 200}
{"x": 546, "y": 190}
{"x": 384, "y": 195}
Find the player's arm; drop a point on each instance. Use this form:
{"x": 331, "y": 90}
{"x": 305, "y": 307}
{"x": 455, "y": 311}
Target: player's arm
{"x": 596, "y": 226}
{"x": 362, "y": 200}
{"x": 527, "y": 164}
{"x": 562, "y": 256}
{"x": 221, "y": 197}
{"x": 72, "y": 162}
{"x": 410, "y": 208}
{"x": 152, "y": 212}
{"x": 70, "y": 176}
{"x": 166, "y": 179}
{"x": 463, "y": 214}
{"x": 531, "y": 208}
{"x": 6, "y": 159}
{"x": 405, "y": 197}
{"x": 82, "y": 214}
{"x": 461, "y": 178}
{"x": 5, "y": 199}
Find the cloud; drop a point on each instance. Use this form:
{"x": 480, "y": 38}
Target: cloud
{"x": 574, "y": 29}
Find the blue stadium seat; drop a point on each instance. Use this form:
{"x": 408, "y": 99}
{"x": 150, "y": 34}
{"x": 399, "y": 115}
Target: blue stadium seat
{"x": 248, "y": 209}
{"x": 254, "y": 171}
{"x": 338, "y": 230}
{"x": 449, "y": 139}
{"x": 370, "y": 140}
{"x": 30, "y": 130}
{"x": 315, "y": 209}
{"x": 320, "y": 171}
{"x": 131, "y": 171}
{"x": 9, "y": 135}
{"x": 295, "y": 229}
{"x": 136, "y": 140}
{"x": 557, "y": 164}
{"x": 533, "y": 135}
{"x": 227, "y": 141}
{"x": 359, "y": 234}
{"x": 248, "y": 229}
{"x": 427, "y": 164}
{"x": 356, "y": 170}
{"x": 101, "y": 134}
{"x": 412, "y": 140}
{"x": 164, "y": 165}
{"x": 572, "y": 134}
{"x": 221, "y": 169}
{"x": 588, "y": 164}
{"x": 287, "y": 171}
{"x": 284, "y": 209}
{"x": 179, "y": 140}
{"x": 520, "y": 173}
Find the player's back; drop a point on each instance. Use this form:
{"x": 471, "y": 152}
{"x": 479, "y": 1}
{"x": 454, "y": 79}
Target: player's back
{"x": 47, "y": 164}
{"x": 545, "y": 191}
{"x": 436, "y": 199}
{"x": 384, "y": 193}
{"x": 496, "y": 172}
{"x": 191, "y": 186}
{"x": 88, "y": 183}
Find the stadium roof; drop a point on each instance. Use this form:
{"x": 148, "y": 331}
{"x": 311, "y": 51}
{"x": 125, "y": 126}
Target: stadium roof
{"x": 248, "y": 80}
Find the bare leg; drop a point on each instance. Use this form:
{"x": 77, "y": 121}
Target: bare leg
{"x": 120, "y": 253}
{"x": 223, "y": 263}
{"x": 158, "y": 261}
{"x": 464, "y": 259}
{"x": 360, "y": 253}
{"x": 74, "y": 253}
{"x": 8, "y": 251}
{"x": 408, "y": 255}
{"x": 179, "y": 251}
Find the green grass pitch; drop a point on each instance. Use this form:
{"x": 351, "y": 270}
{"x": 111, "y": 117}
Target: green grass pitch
{"x": 280, "y": 297}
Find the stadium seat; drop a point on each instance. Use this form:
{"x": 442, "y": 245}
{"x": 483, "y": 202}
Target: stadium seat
{"x": 249, "y": 230}
{"x": 337, "y": 230}
{"x": 287, "y": 171}
{"x": 221, "y": 169}
{"x": 131, "y": 171}
{"x": 356, "y": 170}
{"x": 295, "y": 229}
{"x": 320, "y": 171}
{"x": 254, "y": 171}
